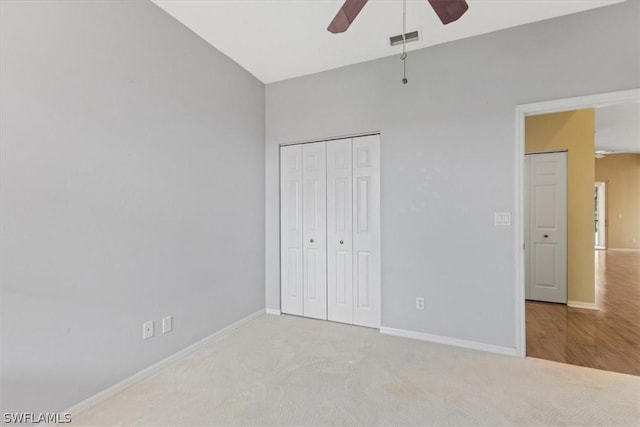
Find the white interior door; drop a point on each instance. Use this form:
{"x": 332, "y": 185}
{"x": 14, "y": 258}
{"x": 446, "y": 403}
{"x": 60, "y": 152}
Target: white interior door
{"x": 546, "y": 236}
{"x": 330, "y": 230}
{"x": 366, "y": 231}
{"x": 314, "y": 217}
{"x": 291, "y": 229}
{"x": 339, "y": 231}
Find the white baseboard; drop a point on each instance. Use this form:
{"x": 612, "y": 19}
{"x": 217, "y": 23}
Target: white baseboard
{"x": 624, "y": 249}
{"x": 139, "y": 376}
{"x": 273, "y": 311}
{"x": 585, "y": 305}
{"x": 508, "y": 351}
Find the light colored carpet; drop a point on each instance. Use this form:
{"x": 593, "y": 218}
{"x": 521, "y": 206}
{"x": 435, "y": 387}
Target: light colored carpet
{"x": 293, "y": 371}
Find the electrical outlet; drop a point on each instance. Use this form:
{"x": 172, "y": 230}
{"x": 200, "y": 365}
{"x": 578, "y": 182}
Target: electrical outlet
{"x": 147, "y": 330}
{"x": 167, "y": 324}
{"x": 419, "y": 303}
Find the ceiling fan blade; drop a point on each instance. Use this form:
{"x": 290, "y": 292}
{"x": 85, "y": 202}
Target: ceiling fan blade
{"x": 345, "y": 16}
{"x": 449, "y": 10}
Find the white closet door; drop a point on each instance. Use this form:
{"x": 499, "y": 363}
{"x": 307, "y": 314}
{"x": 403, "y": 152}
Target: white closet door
{"x": 339, "y": 231}
{"x": 314, "y": 217}
{"x": 546, "y": 245}
{"x": 291, "y": 229}
{"x": 366, "y": 231}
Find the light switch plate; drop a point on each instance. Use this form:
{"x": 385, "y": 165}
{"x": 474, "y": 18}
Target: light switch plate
{"x": 502, "y": 218}
{"x": 147, "y": 330}
{"x": 167, "y": 324}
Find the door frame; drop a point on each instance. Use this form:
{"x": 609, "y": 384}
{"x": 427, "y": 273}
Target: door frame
{"x": 551, "y": 106}
{"x": 602, "y": 209}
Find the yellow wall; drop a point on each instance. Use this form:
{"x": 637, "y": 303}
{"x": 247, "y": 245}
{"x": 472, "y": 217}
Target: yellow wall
{"x": 621, "y": 172}
{"x": 572, "y": 131}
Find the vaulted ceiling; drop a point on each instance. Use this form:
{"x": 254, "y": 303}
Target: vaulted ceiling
{"x": 280, "y": 39}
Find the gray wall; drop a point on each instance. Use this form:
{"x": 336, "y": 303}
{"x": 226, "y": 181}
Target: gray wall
{"x": 447, "y": 142}
{"x": 132, "y": 188}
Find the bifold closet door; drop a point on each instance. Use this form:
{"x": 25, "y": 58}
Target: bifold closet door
{"x": 314, "y": 230}
{"x": 291, "y": 270}
{"x": 366, "y": 231}
{"x": 339, "y": 231}
{"x": 330, "y": 230}
{"x": 353, "y": 231}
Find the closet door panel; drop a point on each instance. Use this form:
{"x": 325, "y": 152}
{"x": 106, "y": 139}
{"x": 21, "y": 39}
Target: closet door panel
{"x": 339, "y": 231}
{"x": 291, "y": 266}
{"x": 314, "y": 217}
{"x": 366, "y": 231}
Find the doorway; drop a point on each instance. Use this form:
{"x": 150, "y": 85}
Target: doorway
{"x": 595, "y": 337}
{"x": 600, "y": 215}
{"x": 522, "y": 111}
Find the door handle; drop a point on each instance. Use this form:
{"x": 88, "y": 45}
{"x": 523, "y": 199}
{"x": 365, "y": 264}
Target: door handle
{"x": 311, "y": 240}
{"x": 342, "y": 242}
{"x": 546, "y": 236}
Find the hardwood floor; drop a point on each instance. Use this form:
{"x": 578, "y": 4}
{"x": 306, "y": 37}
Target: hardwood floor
{"x": 606, "y": 339}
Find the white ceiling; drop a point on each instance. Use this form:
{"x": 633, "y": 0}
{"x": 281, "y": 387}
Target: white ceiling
{"x": 280, "y": 39}
{"x": 618, "y": 128}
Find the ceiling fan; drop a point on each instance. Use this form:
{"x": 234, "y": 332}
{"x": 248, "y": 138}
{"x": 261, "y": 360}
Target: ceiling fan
{"x": 447, "y": 10}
